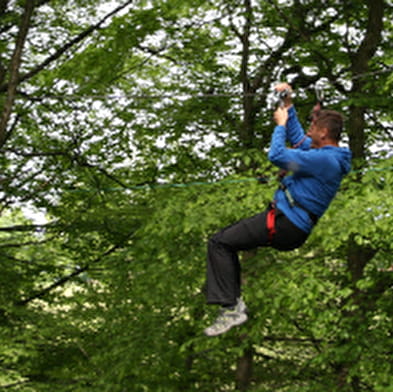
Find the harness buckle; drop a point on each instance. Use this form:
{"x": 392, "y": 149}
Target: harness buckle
{"x": 293, "y": 203}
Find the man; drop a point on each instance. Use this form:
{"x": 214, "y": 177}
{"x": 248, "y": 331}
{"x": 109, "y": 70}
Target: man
{"x": 318, "y": 165}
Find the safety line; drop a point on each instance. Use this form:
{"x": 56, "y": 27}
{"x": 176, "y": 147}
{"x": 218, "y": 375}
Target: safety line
{"x": 261, "y": 180}
{"x": 173, "y": 185}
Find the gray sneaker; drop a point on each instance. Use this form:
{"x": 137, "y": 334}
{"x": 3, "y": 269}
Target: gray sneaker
{"x": 241, "y": 306}
{"x": 227, "y": 319}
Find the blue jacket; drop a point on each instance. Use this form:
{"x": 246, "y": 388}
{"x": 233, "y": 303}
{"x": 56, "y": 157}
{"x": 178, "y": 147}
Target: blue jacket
{"x": 317, "y": 172}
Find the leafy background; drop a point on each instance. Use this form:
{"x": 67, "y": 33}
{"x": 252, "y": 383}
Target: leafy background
{"x": 138, "y": 129}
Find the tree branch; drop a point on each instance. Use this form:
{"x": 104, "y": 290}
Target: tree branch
{"x": 77, "y": 271}
{"x": 24, "y": 228}
{"x": 33, "y": 154}
{"x": 82, "y": 162}
{"x": 28, "y": 243}
{"x": 67, "y": 46}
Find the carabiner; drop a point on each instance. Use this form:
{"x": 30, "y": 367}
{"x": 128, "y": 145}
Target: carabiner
{"x": 319, "y": 93}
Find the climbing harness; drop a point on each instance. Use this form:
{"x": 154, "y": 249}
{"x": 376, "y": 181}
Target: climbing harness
{"x": 271, "y": 213}
{"x": 293, "y": 203}
{"x": 271, "y": 221}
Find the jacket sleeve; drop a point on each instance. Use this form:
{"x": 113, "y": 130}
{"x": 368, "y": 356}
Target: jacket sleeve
{"x": 295, "y": 132}
{"x": 299, "y": 160}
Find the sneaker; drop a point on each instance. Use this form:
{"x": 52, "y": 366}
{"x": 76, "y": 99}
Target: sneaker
{"x": 227, "y": 319}
{"x": 241, "y": 306}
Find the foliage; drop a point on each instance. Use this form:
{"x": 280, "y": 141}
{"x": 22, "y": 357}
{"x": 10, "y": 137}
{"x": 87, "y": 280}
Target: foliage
{"x": 139, "y": 133}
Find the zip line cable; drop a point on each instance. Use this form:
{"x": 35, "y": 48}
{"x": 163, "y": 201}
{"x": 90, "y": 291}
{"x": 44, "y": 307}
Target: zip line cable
{"x": 188, "y": 96}
{"x": 76, "y": 97}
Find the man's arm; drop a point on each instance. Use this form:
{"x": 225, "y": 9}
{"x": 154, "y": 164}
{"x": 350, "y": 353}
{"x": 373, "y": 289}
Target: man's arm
{"x": 279, "y": 154}
{"x": 297, "y": 160}
{"x": 294, "y": 131}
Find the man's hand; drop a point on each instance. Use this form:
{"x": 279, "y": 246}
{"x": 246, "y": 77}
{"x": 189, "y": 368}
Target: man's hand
{"x": 288, "y": 99}
{"x": 281, "y": 116}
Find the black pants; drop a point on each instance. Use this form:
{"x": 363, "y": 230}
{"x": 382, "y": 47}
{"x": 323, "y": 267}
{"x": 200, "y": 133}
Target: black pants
{"x": 223, "y": 267}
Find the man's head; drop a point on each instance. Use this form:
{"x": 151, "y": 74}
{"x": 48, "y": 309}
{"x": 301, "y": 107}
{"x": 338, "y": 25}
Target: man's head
{"x": 325, "y": 128}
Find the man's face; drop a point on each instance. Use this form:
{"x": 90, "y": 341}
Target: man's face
{"x": 317, "y": 135}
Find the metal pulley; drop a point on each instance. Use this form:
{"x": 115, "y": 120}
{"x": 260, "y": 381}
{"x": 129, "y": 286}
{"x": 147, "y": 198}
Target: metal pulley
{"x": 279, "y": 97}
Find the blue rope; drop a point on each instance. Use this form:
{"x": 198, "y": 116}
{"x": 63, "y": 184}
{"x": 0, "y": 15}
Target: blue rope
{"x": 261, "y": 180}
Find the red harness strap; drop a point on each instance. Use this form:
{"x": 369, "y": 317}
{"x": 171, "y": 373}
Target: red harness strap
{"x": 270, "y": 223}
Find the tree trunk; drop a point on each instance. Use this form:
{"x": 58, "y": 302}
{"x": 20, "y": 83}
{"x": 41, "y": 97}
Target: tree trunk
{"x": 244, "y": 370}
{"x": 358, "y": 256}
{"x": 359, "y": 67}
{"x": 14, "y": 68}
{"x": 248, "y": 124}
{"x": 3, "y": 6}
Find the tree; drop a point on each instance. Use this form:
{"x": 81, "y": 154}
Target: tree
{"x": 102, "y": 111}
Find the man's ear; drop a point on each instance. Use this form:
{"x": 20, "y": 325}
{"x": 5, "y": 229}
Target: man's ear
{"x": 324, "y": 133}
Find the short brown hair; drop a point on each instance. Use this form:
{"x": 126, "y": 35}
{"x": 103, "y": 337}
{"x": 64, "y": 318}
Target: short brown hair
{"x": 330, "y": 119}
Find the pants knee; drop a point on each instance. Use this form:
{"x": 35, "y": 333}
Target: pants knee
{"x": 213, "y": 241}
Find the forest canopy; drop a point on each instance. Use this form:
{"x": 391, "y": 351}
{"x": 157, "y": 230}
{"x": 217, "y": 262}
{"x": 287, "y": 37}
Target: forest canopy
{"x": 130, "y": 132}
